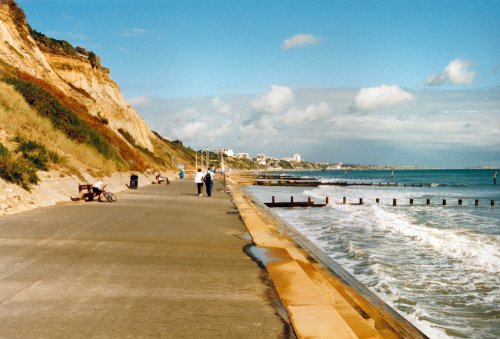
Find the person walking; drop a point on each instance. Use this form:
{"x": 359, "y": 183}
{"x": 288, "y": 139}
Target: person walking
{"x": 198, "y": 179}
{"x": 209, "y": 181}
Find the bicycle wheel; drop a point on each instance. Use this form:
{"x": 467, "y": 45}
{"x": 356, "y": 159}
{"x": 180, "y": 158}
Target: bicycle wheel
{"x": 111, "y": 197}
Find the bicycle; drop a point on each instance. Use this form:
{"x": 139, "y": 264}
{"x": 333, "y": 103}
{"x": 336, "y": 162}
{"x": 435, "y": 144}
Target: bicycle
{"x": 110, "y": 196}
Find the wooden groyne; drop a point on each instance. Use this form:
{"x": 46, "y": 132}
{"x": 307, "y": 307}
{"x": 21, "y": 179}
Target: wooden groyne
{"x": 379, "y": 184}
{"x": 286, "y": 182}
{"x": 441, "y": 202}
{"x": 313, "y": 182}
{"x": 293, "y": 203}
{"x": 361, "y": 201}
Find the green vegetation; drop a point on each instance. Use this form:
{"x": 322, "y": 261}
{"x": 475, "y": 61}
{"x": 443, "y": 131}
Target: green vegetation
{"x": 3, "y": 151}
{"x": 18, "y": 171}
{"x": 54, "y": 46}
{"x": 94, "y": 60}
{"x": 63, "y": 118}
{"x": 36, "y": 153}
{"x": 62, "y": 47}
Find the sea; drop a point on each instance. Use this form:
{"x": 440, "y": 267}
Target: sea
{"x": 436, "y": 265}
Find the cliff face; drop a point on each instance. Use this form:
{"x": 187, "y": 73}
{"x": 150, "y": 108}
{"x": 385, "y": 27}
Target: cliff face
{"x": 72, "y": 74}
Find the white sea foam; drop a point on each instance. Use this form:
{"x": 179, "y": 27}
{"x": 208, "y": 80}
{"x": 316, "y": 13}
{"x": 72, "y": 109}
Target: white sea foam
{"x": 438, "y": 266}
{"x": 478, "y": 251}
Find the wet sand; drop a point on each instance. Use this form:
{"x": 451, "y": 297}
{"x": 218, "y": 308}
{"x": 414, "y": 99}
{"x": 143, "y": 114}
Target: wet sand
{"x": 161, "y": 262}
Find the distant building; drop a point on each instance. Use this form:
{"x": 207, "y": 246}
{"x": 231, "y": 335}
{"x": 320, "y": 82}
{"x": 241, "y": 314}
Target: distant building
{"x": 260, "y": 159}
{"x": 335, "y": 166}
{"x": 228, "y": 152}
{"x": 294, "y": 158}
{"x": 243, "y": 155}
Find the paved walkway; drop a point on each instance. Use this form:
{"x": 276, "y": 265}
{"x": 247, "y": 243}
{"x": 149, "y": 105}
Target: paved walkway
{"x": 161, "y": 262}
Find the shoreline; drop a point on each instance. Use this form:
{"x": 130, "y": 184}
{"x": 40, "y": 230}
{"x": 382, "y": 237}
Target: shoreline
{"x": 320, "y": 301}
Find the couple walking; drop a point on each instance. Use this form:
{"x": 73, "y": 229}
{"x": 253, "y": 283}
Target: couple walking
{"x": 204, "y": 177}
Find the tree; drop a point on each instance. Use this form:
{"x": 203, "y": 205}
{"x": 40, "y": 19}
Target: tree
{"x": 94, "y": 60}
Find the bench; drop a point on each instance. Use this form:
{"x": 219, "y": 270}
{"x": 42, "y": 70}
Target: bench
{"x": 85, "y": 192}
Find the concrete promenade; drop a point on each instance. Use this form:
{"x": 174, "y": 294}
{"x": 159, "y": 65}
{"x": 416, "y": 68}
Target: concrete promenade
{"x": 161, "y": 262}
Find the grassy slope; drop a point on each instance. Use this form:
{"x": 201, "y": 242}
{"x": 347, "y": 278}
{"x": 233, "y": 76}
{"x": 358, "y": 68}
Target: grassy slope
{"x": 18, "y": 118}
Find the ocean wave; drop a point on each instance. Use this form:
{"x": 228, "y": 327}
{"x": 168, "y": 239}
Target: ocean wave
{"x": 478, "y": 251}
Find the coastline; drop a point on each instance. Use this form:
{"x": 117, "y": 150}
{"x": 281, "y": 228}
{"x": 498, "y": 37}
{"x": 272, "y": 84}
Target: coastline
{"x": 319, "y": 301}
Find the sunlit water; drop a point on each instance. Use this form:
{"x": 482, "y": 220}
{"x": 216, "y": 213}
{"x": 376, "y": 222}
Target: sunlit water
{"x": 438, "y": 266}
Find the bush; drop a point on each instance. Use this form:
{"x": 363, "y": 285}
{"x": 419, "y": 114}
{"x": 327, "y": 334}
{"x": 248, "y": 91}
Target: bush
{"x": 37, "y": 153}
{"x": 94, "y": 60}
{"x": 17, "y": 171}
{"x": 81, "y": 50}
{"x": 51, "y": 45}
{"x": 3, "y": 151}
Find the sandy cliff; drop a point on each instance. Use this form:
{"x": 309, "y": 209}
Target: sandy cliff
{"x": 71, "y": 74}
{"x": 114, "y": 144}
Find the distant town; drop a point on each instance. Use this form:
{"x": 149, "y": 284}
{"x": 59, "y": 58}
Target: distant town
{"x": 276, "y": 163}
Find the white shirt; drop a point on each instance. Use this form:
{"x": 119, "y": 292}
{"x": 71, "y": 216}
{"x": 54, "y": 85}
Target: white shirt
{"x": 99, "y": 184}
{"x": 198, "y": 178}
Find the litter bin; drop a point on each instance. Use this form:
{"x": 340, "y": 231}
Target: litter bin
{"x": 134, "y": 181}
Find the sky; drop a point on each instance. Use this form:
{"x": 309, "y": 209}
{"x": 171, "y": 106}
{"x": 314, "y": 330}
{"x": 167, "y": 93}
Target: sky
{"x": 394, "y": 82}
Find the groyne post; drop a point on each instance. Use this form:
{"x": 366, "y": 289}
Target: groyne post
{"x": 273, "y": 200}
{"x": 394, "y": 202}
{"x": 492, "y": 203}
{"x": 361, "y": 201}
{"x": 411, "y": 201}
{"x": 476, "y": 202}
{"x": 377, "y": 200}
{"x": 459, "y": 202}
{"x": 291, "y": 200}
{"x": 344, "y": 200}
{"x": 309, "y": 201}
{"x": 327, "y": 200}
{"x": 428, "y": 201}
{"x": 444, "y": 202}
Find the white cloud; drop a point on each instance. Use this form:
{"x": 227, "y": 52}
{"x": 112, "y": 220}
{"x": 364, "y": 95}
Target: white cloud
{"x": 310, "y": 114}
{"x": 381, "y": 96}
{"x": 253, "y": 135}
{"x": 135, "y": 32}
{"x": 142, "y": 101}
{"x": 275, "y": 100}
{"x": 442, "y": 125}
{"x": 221, "y": 131}
{"x": 457, "y": 73}
{"x": 191, "y": 130}
{"x": 300, "y": 40}
{"x": 221, "y": 106}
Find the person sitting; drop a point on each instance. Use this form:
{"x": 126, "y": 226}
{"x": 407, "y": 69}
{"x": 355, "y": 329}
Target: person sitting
{"x": 98, "y": 189}
{"x": 160, "y": 178}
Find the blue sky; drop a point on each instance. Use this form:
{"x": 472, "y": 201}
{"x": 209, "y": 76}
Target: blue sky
{"x": 380, "y": 82}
